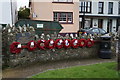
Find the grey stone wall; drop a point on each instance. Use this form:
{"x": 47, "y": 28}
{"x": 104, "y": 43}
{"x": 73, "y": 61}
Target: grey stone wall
{"x": 26, "y": 57}
{"x": 11, "y": 34}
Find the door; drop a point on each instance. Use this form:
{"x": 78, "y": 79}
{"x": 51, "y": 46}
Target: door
{"x": 100, "y": 23}
{"x": 118, "y": 24}
{"x": 109, "y": 26}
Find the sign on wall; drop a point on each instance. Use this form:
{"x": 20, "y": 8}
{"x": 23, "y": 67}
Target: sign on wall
{"x": 39, "y": 25}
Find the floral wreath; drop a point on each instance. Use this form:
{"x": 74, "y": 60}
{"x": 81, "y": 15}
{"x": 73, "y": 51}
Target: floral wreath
{"x": 14, "y": 47}
{"x": 67, "y": 43}
{"x": 74, "y": 43}
{"x": 41, "y": 42}
{"x": 82, "y": 42}
{"x": 50, "y": 44}
{"x": 90, "y": 43}
{"x": 59, "y": 43}
{"x": 31, "y": 45}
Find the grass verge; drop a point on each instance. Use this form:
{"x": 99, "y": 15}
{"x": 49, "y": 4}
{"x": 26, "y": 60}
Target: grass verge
{"x": 101, "y": 70}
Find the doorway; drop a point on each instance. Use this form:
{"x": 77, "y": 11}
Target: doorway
{"x": 109, "y": 26}
{"x": 100, "y": 23}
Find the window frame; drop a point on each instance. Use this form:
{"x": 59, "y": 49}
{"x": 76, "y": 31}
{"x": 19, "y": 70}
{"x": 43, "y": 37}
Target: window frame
{"x": 101, "y": 7}
{"x": 58, "y": 17}
{"x": 111, "y": 12}
{"x": 85, "y": 7}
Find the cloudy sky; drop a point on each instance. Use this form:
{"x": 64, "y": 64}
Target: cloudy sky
{"x": 21, "y": 3}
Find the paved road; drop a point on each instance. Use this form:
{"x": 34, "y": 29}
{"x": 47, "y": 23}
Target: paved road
{"x": 33, "y": 69}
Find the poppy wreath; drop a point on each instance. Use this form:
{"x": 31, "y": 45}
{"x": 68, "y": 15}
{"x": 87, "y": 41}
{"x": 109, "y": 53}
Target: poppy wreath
{"x": 74, "y": 43}
{"x": 90, "y": 43}
{"x": 14, "y": 49}
{"x": 50, "y": 44}
{"x": 59, "y": 43}
{"x": 82, "y": 42}
{"x": 41, "y": 42}
{"x": 67, "y": 43}
{"x": 33, "y": 47}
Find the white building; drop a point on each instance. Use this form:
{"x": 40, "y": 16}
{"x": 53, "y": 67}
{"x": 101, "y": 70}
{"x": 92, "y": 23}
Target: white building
{"x": 100, "y": 13}
{"x": 8, "y": 12}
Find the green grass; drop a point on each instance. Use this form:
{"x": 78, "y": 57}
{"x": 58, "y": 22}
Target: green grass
{"x": 102, "y": 70}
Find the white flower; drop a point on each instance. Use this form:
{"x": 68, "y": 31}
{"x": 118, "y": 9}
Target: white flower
{"x": 32, "y": 43}
{"x": 60, "y": 41}
{"x": 66, "y": 42}
{"x": 19, "y": 46}
{"x": 51, "y": 42}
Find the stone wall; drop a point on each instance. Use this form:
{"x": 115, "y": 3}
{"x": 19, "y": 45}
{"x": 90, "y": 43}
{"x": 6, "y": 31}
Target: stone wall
{"x": 26, "y": 57}
{"x": 25, "y": 34}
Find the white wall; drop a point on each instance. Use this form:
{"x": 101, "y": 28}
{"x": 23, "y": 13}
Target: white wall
{"x": 0, "y": 12}
{"x": 5, "y": 12}
{"x": 94, "y": 8}
{"x": 105, "y": 22}
{"x": 115, "y": 8}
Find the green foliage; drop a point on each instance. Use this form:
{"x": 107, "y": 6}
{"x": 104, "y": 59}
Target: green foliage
{"x": 23, "y": 13}
{"x": 102, "y": 70}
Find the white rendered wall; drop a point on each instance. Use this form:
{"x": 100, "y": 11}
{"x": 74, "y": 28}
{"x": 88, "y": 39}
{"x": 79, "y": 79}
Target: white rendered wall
{"x": 105, "y": 22}
{"x": 6, "y": 7}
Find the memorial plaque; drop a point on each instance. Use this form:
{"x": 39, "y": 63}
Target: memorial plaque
{"x": 24, "y": 37}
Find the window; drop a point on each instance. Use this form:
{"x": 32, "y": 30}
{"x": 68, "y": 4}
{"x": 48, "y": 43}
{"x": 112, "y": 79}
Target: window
{"x": 100, "y": 7}
{"x": 110, "y": 8}
{"x": 85, "y": 7}
{"x": 95, "y": 30}
{"x": 102, "y": 31}
{"x": 119, "y": 7}
{"x": 63, "y": 17}
{"x": 62, "y": 0}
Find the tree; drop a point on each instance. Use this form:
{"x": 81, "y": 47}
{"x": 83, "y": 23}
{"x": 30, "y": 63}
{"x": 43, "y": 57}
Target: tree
{"x": 23, "y": 13}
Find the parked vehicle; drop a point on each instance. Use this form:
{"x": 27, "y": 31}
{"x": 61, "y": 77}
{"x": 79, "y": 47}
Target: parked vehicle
{"x": 92, "y": 31}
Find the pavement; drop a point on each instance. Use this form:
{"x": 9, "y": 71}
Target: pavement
{"x": 30, "y": 70}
